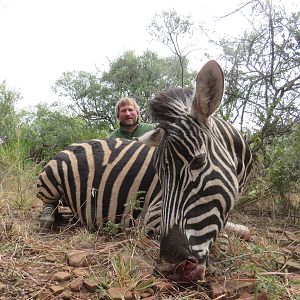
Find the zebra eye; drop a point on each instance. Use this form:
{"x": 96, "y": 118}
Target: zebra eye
{"x": 197, "y": 162}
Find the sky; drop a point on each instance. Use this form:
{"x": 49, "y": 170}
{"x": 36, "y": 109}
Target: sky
{"x": 41, "y": 39}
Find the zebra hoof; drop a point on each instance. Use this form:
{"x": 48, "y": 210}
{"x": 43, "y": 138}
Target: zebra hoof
{"x": 47, "y": 217}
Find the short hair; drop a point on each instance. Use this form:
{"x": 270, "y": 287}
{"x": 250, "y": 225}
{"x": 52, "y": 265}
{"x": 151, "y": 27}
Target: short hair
{"x": 126, "y": 100}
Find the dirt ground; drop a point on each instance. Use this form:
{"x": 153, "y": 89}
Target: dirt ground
{"x": 72, "y": 263}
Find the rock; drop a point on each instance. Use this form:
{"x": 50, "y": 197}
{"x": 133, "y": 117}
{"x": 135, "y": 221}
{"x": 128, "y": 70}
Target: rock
{"x": 50, "y": 258}
{"x": 76, "y": 285}
{"x": 217, "y": 290}
{"x": 151, "y": 298}
{"x": 259, "y": 296}
{"x": 56, "y": 289}
{"x": 147, "y": 293}
{"x": 79, "y": 258}
{"x": 230, "y": 288}
{"x": 61, "y": 276}
{"x": 90, "y": 285}
{"x": 146, "y": 271}
{"x": 66, "y": 295}
{"x": 121, "y": 293}
{"x": 44, "y": 295}
{"x": 67, "y": 269}
{"x": 2, "y": 287}
{"x": 245, "y": 295}
{"x": 80, "y": 272}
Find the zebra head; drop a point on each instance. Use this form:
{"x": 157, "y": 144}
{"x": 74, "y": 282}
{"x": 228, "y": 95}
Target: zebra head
{"x": 196, "y": 171}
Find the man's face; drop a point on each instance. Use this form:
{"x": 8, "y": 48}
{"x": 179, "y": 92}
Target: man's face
{"x": 128, "y": 116}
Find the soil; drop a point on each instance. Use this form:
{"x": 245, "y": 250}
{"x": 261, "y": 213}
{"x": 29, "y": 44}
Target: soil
{"x": 69, "y": 262}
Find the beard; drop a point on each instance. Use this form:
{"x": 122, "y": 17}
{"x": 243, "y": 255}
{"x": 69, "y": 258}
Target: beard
{"x": 129, "y": 123}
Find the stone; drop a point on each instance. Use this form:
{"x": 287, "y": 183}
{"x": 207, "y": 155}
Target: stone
{"x": 79, "y": 258}
{"x": 61, "y": 276}
{"x": 259, "y": 296}
{"x": 50, "y": 258}
{"x": 80, "y": 272}
{"x": 44, "y": 295}
{"x": 230, "y": 288}
{"x": 90, "y": 285}
{"x": 121, "y": 293}
{"x": 56, "y": 289}
{"x": 66, "y": 295}
{"x": 151, "y": 298}
{"x": 76, "y": 285}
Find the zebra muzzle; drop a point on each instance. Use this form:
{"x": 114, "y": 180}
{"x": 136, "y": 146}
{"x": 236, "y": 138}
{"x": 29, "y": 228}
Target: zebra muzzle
{"x": 189, "y": 271}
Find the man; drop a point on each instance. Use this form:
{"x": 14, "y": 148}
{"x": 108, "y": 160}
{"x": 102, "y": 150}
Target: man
{"x": 128, "y": 114}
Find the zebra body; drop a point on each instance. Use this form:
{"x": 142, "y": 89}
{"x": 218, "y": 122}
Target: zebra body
{"x": 102, "y": 180}
{"x": 202, "y": 163}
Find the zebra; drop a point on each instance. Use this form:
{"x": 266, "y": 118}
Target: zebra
{"x": 101, "y": 181}
{"x": 202, "y": 163}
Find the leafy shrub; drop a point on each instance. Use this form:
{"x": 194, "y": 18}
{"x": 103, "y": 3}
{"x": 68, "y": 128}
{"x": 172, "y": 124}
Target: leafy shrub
{"x": 50, "y": 130}
{"x": 284, "y": 163}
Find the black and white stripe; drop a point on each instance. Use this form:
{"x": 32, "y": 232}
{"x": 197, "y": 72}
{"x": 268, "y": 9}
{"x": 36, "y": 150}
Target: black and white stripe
{"x": 100, "y": 179}
{"x": 202, "y": 163}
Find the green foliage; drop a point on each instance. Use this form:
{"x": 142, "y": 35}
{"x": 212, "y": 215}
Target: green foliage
{"x": 17, "y": 172}
{"x": 139, "y": 76}
{"x": 112, "y": 229}
{"x": 8, "y": 115}
{"x": 49, "y": 130}
{"x": 90, "y": 98}
{"x": 272, "y": 285}
{"x": 283, "y": 163}
{"x": 136, "y": 202}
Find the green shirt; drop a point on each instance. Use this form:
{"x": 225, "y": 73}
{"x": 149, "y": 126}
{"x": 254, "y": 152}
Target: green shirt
{"x": 124, "y": 134}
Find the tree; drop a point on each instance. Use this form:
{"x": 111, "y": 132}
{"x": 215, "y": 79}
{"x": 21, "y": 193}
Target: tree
{"x": 174, "y": 31}
{"x": 262, "y": 73}
{"x": 8, "y": 115}
{"x": 90, "y": 99}
{"x": 140, "y": 77}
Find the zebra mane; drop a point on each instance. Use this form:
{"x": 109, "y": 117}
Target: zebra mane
{"x": 171, "y": 104}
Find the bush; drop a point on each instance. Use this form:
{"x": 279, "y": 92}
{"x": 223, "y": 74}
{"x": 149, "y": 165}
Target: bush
{"x": 49, "y": 130}
{"x": 283, "y": 160}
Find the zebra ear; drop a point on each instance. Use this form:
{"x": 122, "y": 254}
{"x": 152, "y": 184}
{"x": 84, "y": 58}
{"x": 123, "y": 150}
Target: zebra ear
{"x": 209, "y": 91}
{"x": 152, "y": 138}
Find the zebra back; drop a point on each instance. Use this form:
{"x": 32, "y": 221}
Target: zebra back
{"x": 101, "y": 180}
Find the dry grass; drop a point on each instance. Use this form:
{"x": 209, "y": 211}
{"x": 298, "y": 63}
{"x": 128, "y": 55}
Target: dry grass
{"x": 29, "y": 259}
